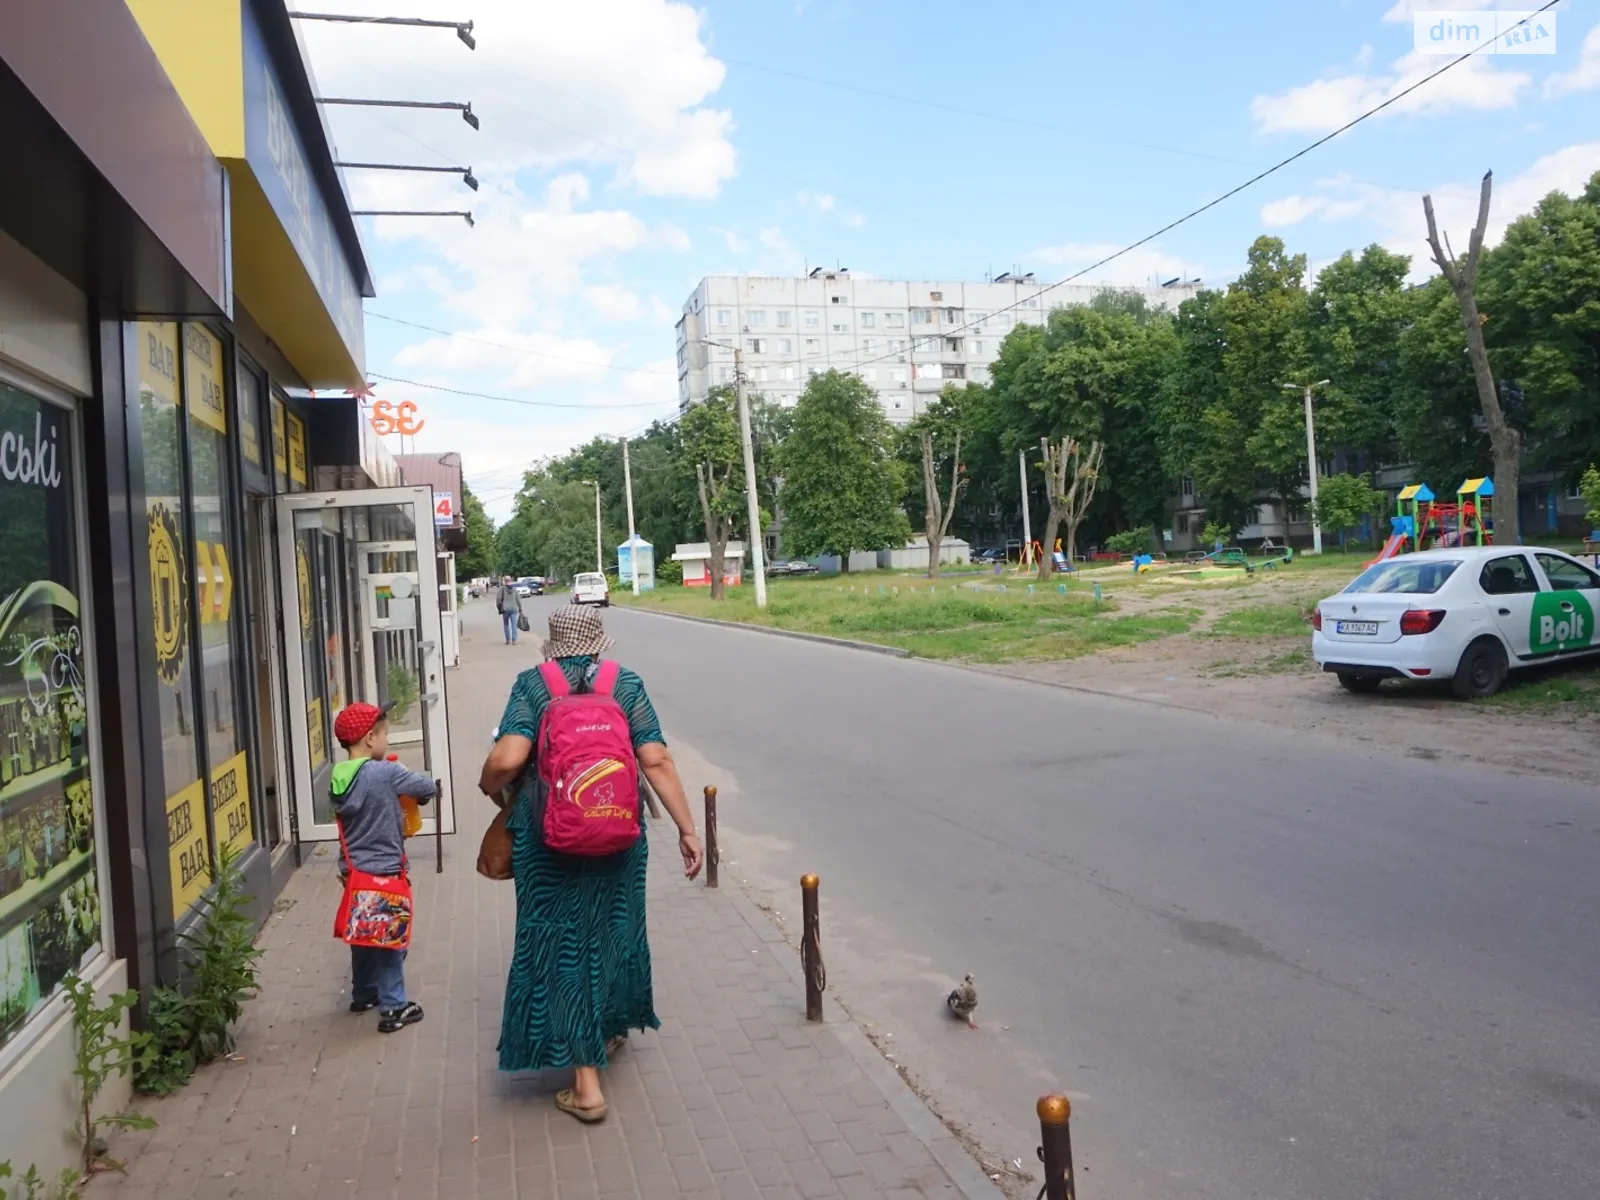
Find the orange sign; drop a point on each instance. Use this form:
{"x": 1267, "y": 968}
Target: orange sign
{"x": 396, "y": 418}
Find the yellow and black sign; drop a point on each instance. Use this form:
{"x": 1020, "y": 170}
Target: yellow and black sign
{"x": 297, "y": 449}
{"x": 169, "y": 592}
{"x": 189, "y": 854}
{"x": 158, "y": 359}
{"x": 202, "y": 377}
{"x": 302, "y": 578}
{"x": 318, "y": 736}
{"x": 216, "y": 582}
{"x": 280, "y": 441}
{"x": 250, "y": 438}
{"x": 230, "y": 803}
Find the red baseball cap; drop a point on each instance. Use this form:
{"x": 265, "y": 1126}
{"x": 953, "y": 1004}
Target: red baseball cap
{"x": 356, "y": 720}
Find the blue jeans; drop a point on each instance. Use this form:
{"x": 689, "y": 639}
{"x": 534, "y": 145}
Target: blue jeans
{"x": 378, "y": 974}
{"x": 509, "y": 620}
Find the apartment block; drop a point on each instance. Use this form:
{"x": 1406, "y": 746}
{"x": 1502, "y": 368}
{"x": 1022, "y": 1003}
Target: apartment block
{"x": 906, "y": 339}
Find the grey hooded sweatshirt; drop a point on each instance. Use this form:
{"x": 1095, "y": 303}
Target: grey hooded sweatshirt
{"x": 366, "y": 797}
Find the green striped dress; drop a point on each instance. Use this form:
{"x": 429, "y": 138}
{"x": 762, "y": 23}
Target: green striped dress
{"x": 580, "y": 971}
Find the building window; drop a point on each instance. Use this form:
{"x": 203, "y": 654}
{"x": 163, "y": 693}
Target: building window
{"x": 813, "y": 345}
{"x": 897, "y": 346}
{"x": 813, "y": 319}
{"x": 756, "y": 345}
{"x": 897, "y": 374}
{"x": 1180, "y": 523}
{"x": 1187, "y": 487}
{"x": 49, "y": 890}
{"x": 955, "y": 371}
{"x": 757, "y": 317}
{"x": 952, "y": 316}
{"x": 868, "y": 346}
{"x": 840, "y": 327}
{"x": 894, "y": 320}
{"x": 952, "y": 345}
{"x": 977, "y": 348}
{"x": 869, "y": 374}
{"x": 1030, "y": 302}
{"x": 813, "y": 372}
{"x": 788, "y": 374}
{"x": 835, "y": 299}
{"x": 724, "y": 317}
{"x": 724, "y": 374}
{"x": 784, "y": 317}
{"x": 897, "y": 403}
{"x": 785, "y": 345}
{"x": 922, "y": 316}
{"x": 868, "y": 320}
{"x": 980, "y": 318}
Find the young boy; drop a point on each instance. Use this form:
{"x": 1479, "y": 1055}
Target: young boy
{"x": 366, "y": 797}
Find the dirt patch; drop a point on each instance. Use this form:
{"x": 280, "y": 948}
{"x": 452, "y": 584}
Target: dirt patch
{"x": 1273, "y": 681}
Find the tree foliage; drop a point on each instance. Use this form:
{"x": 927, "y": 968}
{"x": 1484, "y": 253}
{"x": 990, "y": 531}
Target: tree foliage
{"x": 710, "y": 449}
{"x": 1343, "y": 501}
{"x": 477, "y": 560}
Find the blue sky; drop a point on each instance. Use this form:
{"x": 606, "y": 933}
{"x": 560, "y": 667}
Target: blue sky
{"x": 630, "y": 147}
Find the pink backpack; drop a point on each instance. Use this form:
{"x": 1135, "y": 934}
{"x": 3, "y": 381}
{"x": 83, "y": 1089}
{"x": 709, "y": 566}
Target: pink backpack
{"x": 587, "y": 767}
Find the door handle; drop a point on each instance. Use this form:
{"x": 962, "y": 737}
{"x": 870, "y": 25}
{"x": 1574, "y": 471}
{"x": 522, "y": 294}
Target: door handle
{"x": 1566, "y": 606}
{"x": 1505, "y": 612}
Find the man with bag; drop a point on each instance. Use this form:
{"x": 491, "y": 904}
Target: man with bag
{"x": 510, "y": 606}
{"x": 374, "y": 916}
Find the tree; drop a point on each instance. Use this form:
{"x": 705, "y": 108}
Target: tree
{"x": 1436, "y": 413}
{"x": 1343, "y": 500}
{"x": 1069, "y": 461}
{"x": 1589, "y": 489}
{"x": 709, "y": 447}
{"x": 477, "y": 560}
{"x": 1503, "y": 437}
{"x": 841, "y": 483}
{"x": 938, "y": 431}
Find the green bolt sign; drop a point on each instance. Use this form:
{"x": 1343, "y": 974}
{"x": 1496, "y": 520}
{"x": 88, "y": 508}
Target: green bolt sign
{"x": 1561, "y": 621}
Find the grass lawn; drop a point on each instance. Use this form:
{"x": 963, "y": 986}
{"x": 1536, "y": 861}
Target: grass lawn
{"x": 951, "y": 620}
{"x": 1561, "y": 689}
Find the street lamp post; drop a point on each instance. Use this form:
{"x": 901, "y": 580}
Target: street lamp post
{"x": 753, "y": 505}
{"x": 1311, "y": 461}
{"x": 599, "y": 554}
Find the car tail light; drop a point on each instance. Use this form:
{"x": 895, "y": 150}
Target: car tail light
{"x": 1421, "y": 620}
{"x": 1316, "y": 619}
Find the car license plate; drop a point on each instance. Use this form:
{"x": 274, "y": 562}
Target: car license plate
{"x": 1363, "y": 628}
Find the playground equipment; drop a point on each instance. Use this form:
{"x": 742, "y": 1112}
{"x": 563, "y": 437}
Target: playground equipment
{"x": 1422, "y": 522}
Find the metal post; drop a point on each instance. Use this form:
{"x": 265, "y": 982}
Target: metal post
{"x": 757, "y": 557}
{"x": 599, "y": 554}
{"x": 811, "y": 947}
{"x": 1027, "y": 528}
{"x": 438, "y": 827}
{"x": 1311, "y": 467}
{"x": 713, "y": 855}
{"x": 627, "y": 487}
{"x": 1055, "y": 1148}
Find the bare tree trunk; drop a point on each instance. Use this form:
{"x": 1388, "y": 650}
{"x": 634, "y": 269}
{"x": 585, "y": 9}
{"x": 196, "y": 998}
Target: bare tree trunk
{"x": 937, "y": 524}
{"x": 717, "y": 527}
{"x": 1069, "y": 501}
{"x": 1505, "y": 440}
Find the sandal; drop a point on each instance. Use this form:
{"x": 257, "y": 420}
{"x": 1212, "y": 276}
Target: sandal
{"x": 616, "y": 1045}
{"x": 589, "y": 1116}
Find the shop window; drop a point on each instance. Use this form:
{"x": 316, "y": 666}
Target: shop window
{"x": 219, "y": 606}
{"x": 295, "y": 436}
{"x": 171, "y": 649}
{"x": 49, "y": 896}
{"x": 251, "y": 444}
{"x": 280, "y": 445}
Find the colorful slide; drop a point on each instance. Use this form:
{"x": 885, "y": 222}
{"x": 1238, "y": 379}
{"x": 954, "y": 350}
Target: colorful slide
{"x": 1392, "y": 547}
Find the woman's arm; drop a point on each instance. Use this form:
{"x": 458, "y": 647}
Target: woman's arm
{"x": 656, "y": 761}
{"x": 506, "y": 759}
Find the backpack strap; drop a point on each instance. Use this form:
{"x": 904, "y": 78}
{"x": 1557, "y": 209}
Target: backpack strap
{"x": 555, "y": 679}
{"x": 605, "y": 679}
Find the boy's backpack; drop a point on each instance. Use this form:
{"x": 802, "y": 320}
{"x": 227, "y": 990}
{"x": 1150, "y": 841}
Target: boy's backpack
{"x": 588, "y": 775}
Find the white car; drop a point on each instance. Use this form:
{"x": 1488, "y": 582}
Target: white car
{"x": 1467, "y": 615}
{"x": 591, "y": 588}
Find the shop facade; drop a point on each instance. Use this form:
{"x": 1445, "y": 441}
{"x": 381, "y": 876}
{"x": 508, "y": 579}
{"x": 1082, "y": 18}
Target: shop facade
{"x": 202, "y": 556}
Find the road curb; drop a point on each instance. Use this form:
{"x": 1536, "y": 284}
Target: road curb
{"x": 824, "y": 639}
{"x": 964, "y": 1171}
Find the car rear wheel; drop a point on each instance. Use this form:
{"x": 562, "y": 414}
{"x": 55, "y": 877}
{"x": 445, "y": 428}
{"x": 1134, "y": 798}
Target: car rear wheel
{"x": 1481, "y": 671}
{"x": 1361, "y": 684}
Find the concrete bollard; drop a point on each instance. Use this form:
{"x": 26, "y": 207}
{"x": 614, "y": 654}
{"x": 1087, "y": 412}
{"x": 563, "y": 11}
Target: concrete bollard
{"x": 713, "y": 854}
{"x": 811, "y": 947}
{"x": 1055, "y": 1147}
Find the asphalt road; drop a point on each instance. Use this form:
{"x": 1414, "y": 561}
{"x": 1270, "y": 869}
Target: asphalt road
{"x": 1262, "y": 965}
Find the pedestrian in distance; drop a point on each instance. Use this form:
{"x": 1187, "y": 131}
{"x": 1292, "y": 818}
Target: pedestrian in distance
{"x": 579, "y": 978}
{"x": 375, "y": 912}
{"x": 510, "y": 606}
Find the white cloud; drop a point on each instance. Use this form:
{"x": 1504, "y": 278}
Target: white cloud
{"x": 1397, "y": 214}
{"x": 778, "y": 256}
{"x": 732, "y": 239}
{"x": 1137, "y": 267}
{"x": 855, "y": 221}
{"x": 1585, "y": 76}
{"x": 822, "y": 202}
{"x": 1324, "y": 105}
{"x": 615, "y": 83}
{"x": 615, "y": 303}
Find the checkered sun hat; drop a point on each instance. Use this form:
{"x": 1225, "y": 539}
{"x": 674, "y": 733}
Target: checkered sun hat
{"x": 576, "y": 630}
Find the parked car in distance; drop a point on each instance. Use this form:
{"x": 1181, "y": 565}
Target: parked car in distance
{"x": 591, "y": 587}
{"x": 989, "y": 555}
{"x": 1467, "y": 615}
{"x": 795, "y": 566}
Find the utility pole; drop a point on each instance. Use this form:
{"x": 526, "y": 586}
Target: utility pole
{"x": 1311, "y": 462}
{"x": 757, "y": 558}
{"x": 1027, "y": 529}
{"x": 599, "y": 554}
{"x": 627, "y": 487}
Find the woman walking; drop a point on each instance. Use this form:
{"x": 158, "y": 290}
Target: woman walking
{"x": 580, "y": 970}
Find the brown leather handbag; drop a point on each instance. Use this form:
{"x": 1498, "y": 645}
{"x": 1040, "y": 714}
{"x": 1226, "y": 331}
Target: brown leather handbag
{"x": 494, "y": 854}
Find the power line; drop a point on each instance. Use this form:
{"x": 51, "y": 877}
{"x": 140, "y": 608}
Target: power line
{"x": 520, "y": 350}
{"x": 437, "y": 387}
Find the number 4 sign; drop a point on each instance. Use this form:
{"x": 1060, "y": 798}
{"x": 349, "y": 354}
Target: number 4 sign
{"x": 444, "y": 509}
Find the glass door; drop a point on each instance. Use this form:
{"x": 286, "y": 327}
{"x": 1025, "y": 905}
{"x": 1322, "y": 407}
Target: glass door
{"x": 362, "y": 622}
